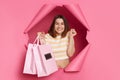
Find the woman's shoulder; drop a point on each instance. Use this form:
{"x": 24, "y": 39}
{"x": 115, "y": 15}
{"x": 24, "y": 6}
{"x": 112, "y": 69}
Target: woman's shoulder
{"x": 46, "y": 34}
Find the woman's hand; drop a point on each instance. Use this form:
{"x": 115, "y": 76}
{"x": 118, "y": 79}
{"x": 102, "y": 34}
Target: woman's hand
{"x": 72, "y": 33}
{"x": 41, "y": 35}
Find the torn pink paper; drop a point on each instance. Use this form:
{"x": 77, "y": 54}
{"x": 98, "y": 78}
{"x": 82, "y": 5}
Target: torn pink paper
{"x": 76, "y": 11}
{"x": 77, "y": 62}
{"x": 46, "y": 8}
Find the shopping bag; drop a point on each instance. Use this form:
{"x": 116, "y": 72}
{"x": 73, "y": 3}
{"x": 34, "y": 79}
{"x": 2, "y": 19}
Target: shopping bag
{"x": 29, "y": 65}
{"x": 39, "y": 59}
{"x": 44, "y": 59}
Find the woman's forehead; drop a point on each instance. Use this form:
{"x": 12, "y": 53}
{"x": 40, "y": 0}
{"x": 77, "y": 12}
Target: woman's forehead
{"x": 59, "y": 20}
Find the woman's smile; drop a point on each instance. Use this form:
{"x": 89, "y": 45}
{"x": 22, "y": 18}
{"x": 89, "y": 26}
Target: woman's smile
{"x": 59, "y": 26}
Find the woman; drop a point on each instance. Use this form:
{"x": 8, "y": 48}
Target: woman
{"x": 61, "y": 38}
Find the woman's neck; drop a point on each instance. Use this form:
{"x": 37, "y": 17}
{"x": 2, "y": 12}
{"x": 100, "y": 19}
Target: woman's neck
{"x": 58, "y": 34}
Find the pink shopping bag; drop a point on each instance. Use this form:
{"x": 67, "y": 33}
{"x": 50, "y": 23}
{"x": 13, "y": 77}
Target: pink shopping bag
{"x": 44, "y": 60}
{"x": 39, "y": 59}
{"x": 29, "y": 65}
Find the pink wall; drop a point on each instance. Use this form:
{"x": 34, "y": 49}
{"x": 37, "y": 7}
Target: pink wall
{"x": 102, "y": 62}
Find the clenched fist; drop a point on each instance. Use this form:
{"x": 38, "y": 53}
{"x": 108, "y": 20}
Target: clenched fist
{"x": 72, "y": 33}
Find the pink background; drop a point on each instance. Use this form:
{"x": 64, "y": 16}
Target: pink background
{"x": 102, "y": 61}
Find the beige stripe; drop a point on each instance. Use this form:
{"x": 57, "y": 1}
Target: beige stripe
{"x": 47, "y": 36}
{"x": 60, "y": 55}
{"x": 60, "y": 51}
{"x": 59, "y": 46}
{"x": 56, "y": 41}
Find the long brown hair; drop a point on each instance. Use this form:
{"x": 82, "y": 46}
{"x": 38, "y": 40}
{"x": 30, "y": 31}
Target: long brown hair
{"x": 52, "y": 31}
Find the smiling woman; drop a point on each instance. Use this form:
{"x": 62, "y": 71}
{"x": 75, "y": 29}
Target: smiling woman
{"x": 61, "y": 38}
{"x": 44, "y": 24}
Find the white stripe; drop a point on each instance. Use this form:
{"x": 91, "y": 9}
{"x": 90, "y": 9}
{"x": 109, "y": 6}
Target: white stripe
{"x": 59, "y": 49}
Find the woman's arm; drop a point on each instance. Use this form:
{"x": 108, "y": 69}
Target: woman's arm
{"x": 71, "y": 44}
{"x": 41, "y": 36}
{"x": 71, "y": 47}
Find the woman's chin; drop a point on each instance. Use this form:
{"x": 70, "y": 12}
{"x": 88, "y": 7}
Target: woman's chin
{"x": 59, "y": 32}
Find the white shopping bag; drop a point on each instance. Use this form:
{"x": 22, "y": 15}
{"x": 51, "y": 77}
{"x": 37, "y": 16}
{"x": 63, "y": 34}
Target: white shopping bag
{"x": 39, "y": 60}
{"x": 44, "y": 60}
{"x": 29, "y": 65}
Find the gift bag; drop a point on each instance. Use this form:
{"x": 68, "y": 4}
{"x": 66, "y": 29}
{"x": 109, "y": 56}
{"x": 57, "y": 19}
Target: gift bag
{"x": 29, "y": 66}
{"x": 39, "y": 59}
{"x": 44, "y": 59}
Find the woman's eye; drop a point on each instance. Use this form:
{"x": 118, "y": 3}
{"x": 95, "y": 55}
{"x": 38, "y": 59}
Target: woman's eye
{"x": 56, "y": 23}
{"x": 62, "y": 23}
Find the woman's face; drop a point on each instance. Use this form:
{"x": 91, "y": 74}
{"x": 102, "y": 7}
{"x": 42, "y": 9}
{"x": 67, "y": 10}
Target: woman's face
{"x": 59, "y": 26}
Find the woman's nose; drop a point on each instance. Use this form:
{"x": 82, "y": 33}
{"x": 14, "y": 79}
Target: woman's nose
{"x": 59, "y": 25}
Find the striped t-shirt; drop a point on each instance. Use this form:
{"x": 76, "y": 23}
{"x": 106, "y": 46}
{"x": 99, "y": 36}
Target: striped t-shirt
{"x": 59, "y": 46}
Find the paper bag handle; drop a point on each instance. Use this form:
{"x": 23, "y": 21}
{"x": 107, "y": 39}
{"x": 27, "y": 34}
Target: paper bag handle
{"x": 39, "y": 40}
